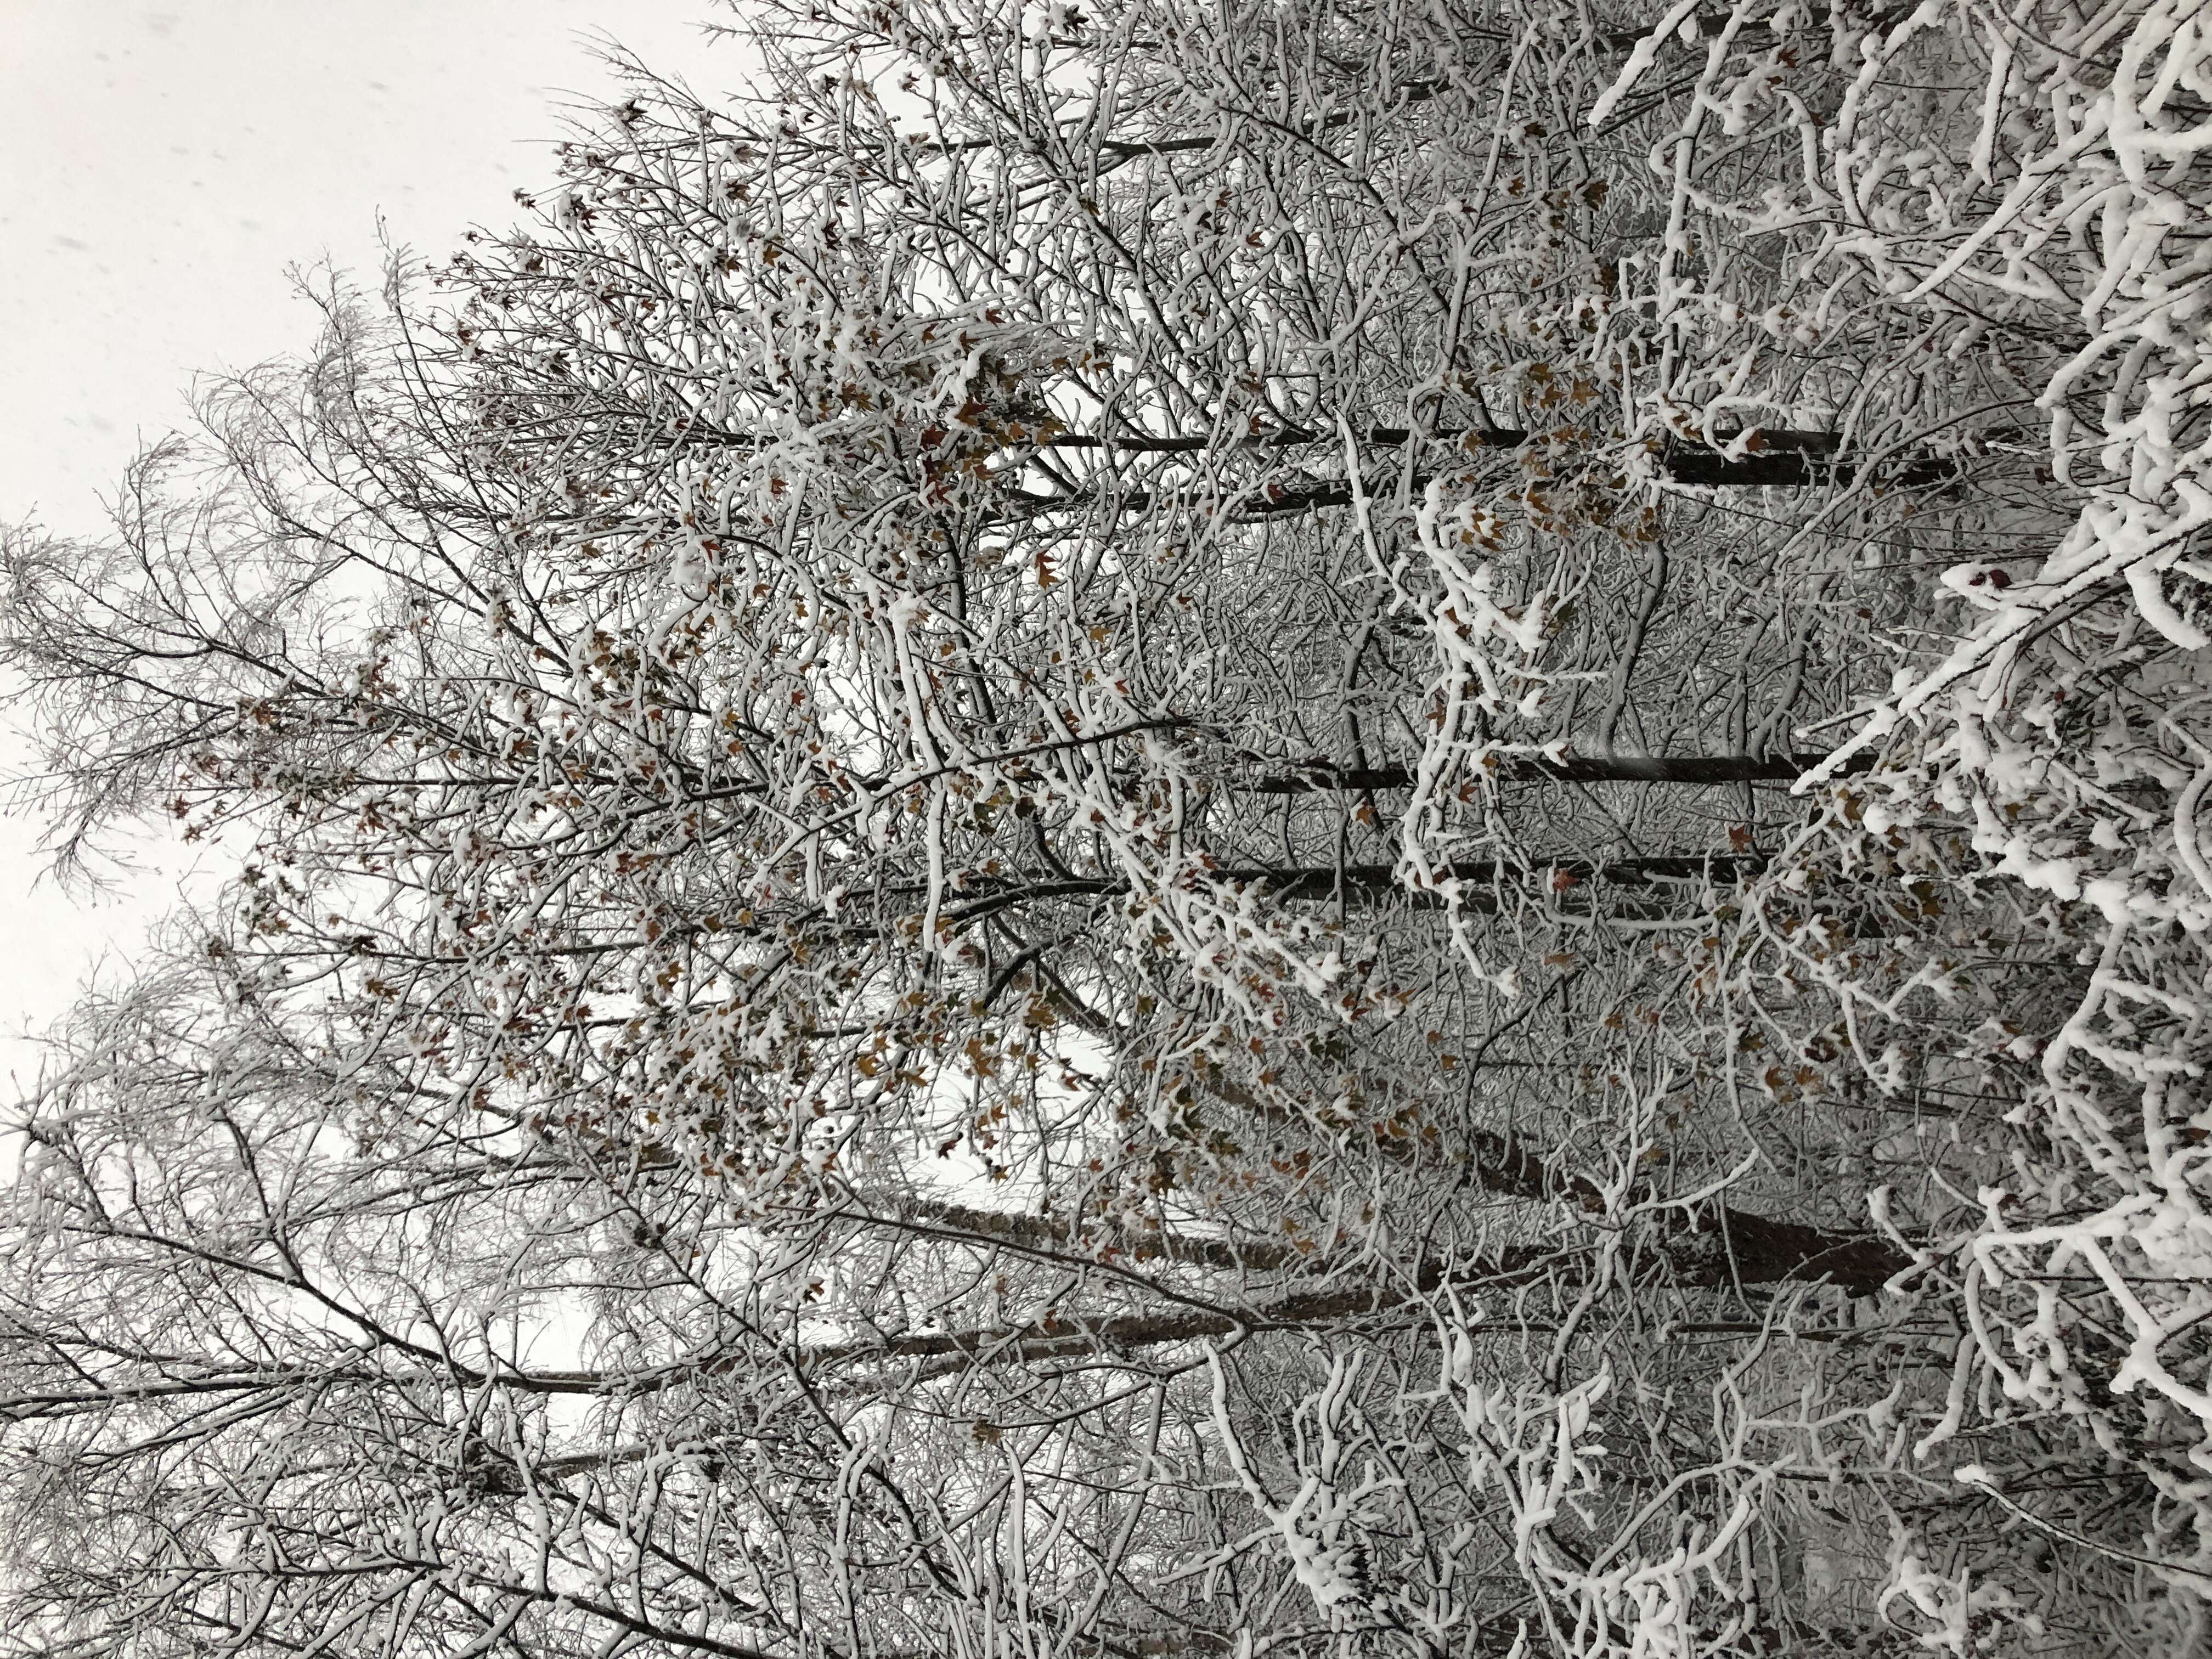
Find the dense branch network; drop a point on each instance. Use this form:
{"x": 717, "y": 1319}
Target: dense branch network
{"x": 1327, "y": 829}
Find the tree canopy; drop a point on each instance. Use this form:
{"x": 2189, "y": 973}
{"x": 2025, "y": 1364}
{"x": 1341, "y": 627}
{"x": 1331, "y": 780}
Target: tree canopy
{"x": 1312, "y": 828}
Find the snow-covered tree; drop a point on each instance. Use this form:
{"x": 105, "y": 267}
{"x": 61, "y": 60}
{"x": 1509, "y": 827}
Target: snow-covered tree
{"x": 1298, "y": 827}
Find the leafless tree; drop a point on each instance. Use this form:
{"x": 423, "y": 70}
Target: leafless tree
{"x": 1307, "y": 829}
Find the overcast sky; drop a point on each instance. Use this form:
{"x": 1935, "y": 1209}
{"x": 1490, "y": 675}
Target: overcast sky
{"x": 165, "y": 165}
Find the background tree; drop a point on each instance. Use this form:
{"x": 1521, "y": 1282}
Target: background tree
{"x": 1031, "y": 867}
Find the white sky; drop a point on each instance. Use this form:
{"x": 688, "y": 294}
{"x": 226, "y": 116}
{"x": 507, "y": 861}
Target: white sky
{"x": 164, "y": 164}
